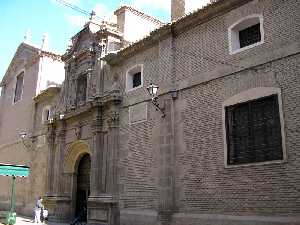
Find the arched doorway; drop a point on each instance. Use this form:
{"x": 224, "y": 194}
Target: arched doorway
{"x": 83, "y": 187}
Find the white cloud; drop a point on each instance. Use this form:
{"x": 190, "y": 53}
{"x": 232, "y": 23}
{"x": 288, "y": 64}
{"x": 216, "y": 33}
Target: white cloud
{"x": 191, "y": 5}
{"x": 102, "y": 11}
{"x": 153, "y": 4}
{"x": 73, "y": 2}
{"x": 75, "y": 20}
{"x": 165, "y": 5}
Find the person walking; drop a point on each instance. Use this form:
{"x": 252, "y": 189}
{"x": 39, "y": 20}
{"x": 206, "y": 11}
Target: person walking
{"x": 38, "y": 210}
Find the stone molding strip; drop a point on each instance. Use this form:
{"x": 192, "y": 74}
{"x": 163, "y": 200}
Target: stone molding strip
{"x": 249, "y": 219}
{"x": 293, "y": 48}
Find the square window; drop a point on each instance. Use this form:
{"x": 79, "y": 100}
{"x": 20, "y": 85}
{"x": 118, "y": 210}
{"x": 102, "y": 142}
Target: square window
{"x": 250, "y": 35}
{"x": 253, "y": 131}
{"x": 19, "y": 87}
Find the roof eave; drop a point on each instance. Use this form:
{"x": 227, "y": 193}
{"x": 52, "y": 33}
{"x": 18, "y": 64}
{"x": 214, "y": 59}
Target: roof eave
{"x": 181, "y": 25}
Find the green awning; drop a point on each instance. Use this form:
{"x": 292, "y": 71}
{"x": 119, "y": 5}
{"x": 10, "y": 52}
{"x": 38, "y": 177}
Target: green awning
{"x": 14, "y": 170}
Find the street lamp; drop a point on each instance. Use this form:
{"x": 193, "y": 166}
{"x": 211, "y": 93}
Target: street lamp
{"x": 26, "y": 140}
{"x": 152, "y": 89}
{"x": 61, "y": 116}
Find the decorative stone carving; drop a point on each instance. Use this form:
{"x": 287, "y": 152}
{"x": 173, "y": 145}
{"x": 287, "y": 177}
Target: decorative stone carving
{"x": 113, "y": 119}
{"x": 78, "y": 131}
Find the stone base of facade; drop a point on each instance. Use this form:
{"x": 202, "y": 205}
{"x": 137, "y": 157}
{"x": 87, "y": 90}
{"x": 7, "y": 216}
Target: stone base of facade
{"x": 212, "y": 219}
{"x": 138, "y": 217}
{"x": 152, "y": 217}
{"x": 59, "y": 208}
{"x": 103, "y": 210}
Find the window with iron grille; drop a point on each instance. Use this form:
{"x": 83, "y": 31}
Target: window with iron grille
{"x": 253, "y": 131}
{"x": 250, "y": 35}
{"x": 19, "y": 87}
{"x": 81, "y": 90}
{"x": 136, "y": 80}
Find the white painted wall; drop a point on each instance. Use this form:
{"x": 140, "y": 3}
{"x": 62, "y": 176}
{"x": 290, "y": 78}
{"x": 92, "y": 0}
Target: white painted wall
{"x": 136, "y": 27}
{"x": 191, "y": 5}
{"x": 50, "y": 71}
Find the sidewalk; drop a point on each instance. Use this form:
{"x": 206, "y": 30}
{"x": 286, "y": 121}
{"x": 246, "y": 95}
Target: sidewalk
{"x": 29, "y": 221}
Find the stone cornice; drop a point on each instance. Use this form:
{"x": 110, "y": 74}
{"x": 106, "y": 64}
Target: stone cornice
{"x": 137, "y": 47}
{"x": 173, "y": 29}
{"x": 139, "y": 13}
{"x": 113, "y": 97}
{"x": 49, "y": 92}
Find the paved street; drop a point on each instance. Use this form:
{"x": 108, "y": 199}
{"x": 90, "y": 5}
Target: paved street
{"x": 30, "y": 221}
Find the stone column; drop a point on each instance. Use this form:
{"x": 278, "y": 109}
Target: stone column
{"x": 97, "y": 154}
{"x": 51, "y": 152}
{"x": 113, "y": 147}
{"x": 58, "y": 203}
{"x": 113, "y": 184}
{"x": 102, "y": 206}
{"x": 166, "y": 170}
{"x": 60, "y": 159}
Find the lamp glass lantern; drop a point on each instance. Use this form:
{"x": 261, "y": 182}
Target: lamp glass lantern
{"x": 23, "y": 135}
{"x": 152, "y": 89}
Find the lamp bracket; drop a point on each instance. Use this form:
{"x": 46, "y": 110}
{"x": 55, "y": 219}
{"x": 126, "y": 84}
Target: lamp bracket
{"x": 157, "y": 107}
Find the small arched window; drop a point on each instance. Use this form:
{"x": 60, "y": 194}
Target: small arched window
{"x": 46, "y": 116}
{"x": 134, "y": 78}
{"x": 246, "y": 33}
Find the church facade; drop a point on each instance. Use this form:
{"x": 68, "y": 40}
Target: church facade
{"x": 33, "y": 72}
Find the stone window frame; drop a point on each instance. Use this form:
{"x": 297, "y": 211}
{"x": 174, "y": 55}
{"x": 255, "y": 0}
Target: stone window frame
{"x": 21, "y": 72}
{"x": 245, "y": 96}
{"x": 81, "y": 76}
{"x": 44, "y": 115}
{"x": 243, "y": 23}
{"x": 129, "y": 77}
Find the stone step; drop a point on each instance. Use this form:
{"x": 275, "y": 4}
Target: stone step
{"x": 3, "y": 214}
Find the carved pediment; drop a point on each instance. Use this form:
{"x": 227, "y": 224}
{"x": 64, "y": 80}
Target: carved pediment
{"x": 81, "y": 42}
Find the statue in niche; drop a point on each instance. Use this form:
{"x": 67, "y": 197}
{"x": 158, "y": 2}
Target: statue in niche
{"x": 81, "y": 89}
{"x": 78, "y": 131}
{"x": 115, "y": 84}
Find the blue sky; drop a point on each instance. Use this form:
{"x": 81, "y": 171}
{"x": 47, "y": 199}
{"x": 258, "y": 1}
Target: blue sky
{"x": 61, "y": 22}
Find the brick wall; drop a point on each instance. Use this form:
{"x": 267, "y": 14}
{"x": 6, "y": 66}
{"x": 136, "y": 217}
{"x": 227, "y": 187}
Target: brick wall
{"x": 205, "y": 75}
{"x": 209, "y": 187}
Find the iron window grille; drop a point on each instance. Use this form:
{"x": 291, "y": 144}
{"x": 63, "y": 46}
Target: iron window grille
{"x": 250, "y": 35}
{"x": 136, "y": 79}
{"x": 254, "y": 131}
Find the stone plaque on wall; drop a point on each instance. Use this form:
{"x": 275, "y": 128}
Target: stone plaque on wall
{"x": 41, "y": 141}
{"x": 100, "y": 215}
{"x": 138, "y": 113}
